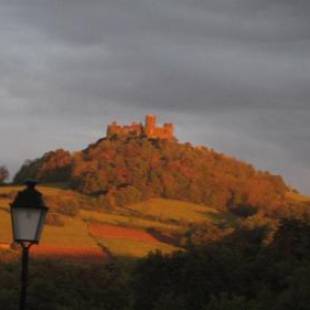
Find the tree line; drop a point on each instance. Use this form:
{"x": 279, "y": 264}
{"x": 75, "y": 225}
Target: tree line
{"x": 127, "y": 170}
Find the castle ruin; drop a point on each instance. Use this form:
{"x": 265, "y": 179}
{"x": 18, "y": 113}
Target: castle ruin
{"x": 149, "y": 129}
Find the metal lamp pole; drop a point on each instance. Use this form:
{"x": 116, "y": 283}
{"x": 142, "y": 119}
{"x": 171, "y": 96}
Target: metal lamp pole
{"x": 28, "y": 212}
{"x": 24, "y": 275}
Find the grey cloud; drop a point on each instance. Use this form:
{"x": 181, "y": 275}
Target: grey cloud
{"x": 239, "y": 68}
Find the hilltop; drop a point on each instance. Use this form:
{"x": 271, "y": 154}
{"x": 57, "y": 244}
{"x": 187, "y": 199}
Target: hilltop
{"x": 129, "y": 167}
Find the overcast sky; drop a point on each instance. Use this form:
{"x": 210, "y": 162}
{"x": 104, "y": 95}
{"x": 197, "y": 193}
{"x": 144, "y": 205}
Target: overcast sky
{"x": 233, "y": 75}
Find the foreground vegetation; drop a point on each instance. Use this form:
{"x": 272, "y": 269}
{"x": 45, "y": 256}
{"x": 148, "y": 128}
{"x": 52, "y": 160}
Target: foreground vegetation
{"x": 94, "y": 257}
{"x": 244, "y": 270}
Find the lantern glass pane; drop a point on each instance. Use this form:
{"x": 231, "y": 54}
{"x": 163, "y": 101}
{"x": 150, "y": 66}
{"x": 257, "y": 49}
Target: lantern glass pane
{"x": 26, "y": 224}
{"x": 41, "y": 224}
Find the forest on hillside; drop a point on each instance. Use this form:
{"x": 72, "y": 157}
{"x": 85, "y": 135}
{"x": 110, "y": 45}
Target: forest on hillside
{"x": 127, "y": 170}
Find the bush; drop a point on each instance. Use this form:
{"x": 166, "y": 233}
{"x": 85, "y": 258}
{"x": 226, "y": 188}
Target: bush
{"x": 244, "y": 210}
{"x": 128, "y": 195}
{"x": 54, "y": 219}
{"x": 69, "y": 207}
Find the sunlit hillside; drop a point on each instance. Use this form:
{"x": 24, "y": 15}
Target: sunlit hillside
{"x": 77, "y": 224}
{"x": 294, "y": 196}
{"x": 128, "y": 170}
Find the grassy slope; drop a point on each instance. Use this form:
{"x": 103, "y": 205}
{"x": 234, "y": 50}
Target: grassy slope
{"x": 161, "y": 214}
{"x": 5, "y": 227}
{"x": 174, "y": 210}
{"x": 298, "y": 197}
{"x": 124, "y": 220}
{"x": 166, "y": 215}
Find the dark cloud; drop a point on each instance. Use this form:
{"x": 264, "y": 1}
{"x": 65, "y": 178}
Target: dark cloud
{"x": 237, "y": 69}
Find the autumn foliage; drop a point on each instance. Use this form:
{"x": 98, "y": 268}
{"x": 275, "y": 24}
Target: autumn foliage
{"x": 128, "y": 170}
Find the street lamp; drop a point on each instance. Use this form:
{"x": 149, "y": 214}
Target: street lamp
{"x": 28, "y": 213}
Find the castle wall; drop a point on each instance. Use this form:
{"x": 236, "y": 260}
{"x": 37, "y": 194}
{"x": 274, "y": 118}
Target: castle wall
{"x": 137, "y": 129}
{"x": 130, "y": 130}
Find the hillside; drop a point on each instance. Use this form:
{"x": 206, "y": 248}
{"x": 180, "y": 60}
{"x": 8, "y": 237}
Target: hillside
{"x": 126, "y": 170}
{"x": 78, "y": 226}
{"x": 81, "y": 241}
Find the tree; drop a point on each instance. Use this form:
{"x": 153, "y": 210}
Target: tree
{"x": 4, "y": 174}
{"x": 160, "y": 169}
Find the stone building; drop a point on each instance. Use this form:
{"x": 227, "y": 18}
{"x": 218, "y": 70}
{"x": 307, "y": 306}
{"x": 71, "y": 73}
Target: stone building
{"x": 149, "y": 129}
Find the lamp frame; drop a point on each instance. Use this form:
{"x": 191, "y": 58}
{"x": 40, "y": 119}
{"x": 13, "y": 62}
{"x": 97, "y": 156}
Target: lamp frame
{"x": 39, "y": 228}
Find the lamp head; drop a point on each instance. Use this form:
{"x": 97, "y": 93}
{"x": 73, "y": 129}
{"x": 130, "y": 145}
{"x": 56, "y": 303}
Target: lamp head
{"x": 28, "y": 212}
{"x": 31, "y": 183}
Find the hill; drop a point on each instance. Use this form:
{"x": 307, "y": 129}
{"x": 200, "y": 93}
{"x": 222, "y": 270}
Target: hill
{"x": 126, "y": 170}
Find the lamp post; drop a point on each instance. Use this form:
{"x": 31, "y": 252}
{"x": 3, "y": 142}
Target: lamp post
{"x": 28, "y": 213}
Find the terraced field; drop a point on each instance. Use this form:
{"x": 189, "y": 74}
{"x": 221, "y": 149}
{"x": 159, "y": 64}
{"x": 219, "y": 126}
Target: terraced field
{"x": 88, "y": 232}
{"x": 174, "y": 211}
{"x": 101, "y": 234}
{"x": 124, "y": 241}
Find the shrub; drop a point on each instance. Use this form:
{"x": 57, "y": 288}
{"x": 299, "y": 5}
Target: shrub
{"x": 69, "y": 207}
{"x": 54, "y": 219}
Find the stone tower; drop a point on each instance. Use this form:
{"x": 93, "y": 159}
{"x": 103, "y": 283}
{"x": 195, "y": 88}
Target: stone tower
{"x": 150, "y": 125}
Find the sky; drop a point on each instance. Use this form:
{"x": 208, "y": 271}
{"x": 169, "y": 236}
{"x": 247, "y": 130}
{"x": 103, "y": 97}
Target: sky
{"x": 233, "y": 75}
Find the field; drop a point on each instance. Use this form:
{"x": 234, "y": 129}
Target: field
{"x": 174, "y": 211}
{"x": 85, "y": 230}
{"x": 89, "y": 233}
{"x": 125, "y": 220}
{"x": 124, "y": 241}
